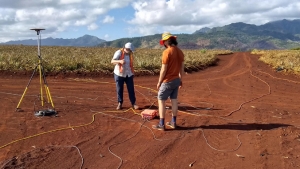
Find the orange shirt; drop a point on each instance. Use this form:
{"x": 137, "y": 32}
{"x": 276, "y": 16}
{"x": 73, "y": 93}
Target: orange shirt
{"x": 173, "y": 57}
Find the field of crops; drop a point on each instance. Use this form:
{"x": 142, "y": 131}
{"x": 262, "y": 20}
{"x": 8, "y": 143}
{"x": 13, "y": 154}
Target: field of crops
{"x": 281, "y": 60}
{"x": 94, "y": 59}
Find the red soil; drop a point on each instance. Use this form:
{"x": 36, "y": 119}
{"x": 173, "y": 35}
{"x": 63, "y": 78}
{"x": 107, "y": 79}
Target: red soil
{"x": 238, "y": 114}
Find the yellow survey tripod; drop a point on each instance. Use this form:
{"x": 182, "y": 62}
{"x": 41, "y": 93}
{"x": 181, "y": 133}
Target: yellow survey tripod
{"x": 40, "y": 68}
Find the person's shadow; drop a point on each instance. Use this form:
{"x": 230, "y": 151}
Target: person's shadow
{"x": 187, "y": 108}
{"x": 180, "y": 108}
{"x": 237, "y": 126}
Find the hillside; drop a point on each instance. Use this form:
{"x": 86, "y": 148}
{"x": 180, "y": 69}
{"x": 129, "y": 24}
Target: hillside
{"x": 86, "y": 40}
{"x": 284, "y": 34}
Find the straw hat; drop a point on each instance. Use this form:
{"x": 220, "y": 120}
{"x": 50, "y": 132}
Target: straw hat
{"x": 165, "y": 36}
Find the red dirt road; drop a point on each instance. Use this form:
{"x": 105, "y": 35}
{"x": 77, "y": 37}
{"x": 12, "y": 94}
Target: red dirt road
{"x": 238, "y": 114}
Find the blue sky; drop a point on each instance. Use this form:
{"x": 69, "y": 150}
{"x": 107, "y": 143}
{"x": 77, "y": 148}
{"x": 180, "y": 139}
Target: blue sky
{"x": 114, "y": 29}
{"x": 114, "y": 19}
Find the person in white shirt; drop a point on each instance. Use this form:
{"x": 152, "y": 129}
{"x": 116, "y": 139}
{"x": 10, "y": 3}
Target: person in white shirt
{"x": 124, "y": 72}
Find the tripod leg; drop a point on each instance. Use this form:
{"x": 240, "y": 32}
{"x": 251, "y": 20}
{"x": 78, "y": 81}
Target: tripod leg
{"x": 47, "y": 94}
{"x": 40, "y": 70}
{"x": 45, "y": 84}
{"x": 47, "y": 88}
{"x": 18, "y": 106}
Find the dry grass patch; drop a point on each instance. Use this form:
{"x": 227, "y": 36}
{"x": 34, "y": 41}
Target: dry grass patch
{"x": 281, "y": 60}
{"x": 94, "y": 59}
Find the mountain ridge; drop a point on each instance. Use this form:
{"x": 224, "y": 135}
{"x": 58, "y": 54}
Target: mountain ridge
{"x": 282, "y": 34}
{"x": 84, "y": 41}
{"x": 239, "y": 36}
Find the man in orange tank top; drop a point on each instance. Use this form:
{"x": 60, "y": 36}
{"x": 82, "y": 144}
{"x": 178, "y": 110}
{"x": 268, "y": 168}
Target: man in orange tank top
{"x": 170, "y": 79}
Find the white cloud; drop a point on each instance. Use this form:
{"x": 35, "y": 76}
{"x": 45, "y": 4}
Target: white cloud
{"x": 106, "y": 36}
{"x": 65, "y": 2}
{"x": 92, "y": 26}
{"x": 18, "y": 16}
{"x": 149, "y": 17}
{"x": 187, "y": 16}
{"x": 144, "y": 30}
{"x": 108, "y": 19}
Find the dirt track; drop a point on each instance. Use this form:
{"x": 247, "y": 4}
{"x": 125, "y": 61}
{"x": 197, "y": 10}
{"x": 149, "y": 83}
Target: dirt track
{"x": 238, "y": 114}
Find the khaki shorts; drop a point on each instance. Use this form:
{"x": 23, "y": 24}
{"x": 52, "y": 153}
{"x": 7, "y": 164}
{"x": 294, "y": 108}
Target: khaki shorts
{"x": 169, "y": 89}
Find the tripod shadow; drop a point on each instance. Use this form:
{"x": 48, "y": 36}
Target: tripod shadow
{"x": 237, "y": 126}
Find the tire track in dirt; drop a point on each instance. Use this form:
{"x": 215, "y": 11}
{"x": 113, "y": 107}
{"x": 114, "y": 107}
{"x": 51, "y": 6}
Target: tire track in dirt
{"x": 227, "y": 65}
{"x": 244, "y": 65}
{"x": 248, "y": 91}
{"x": 227, "y": 141}
{"x": 266, "y": 143}
{"x": 267, "y": 140}
{"x": 11, "y": 118}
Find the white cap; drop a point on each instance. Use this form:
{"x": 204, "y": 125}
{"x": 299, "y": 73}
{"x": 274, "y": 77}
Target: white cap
{"x": 129, "y": 46}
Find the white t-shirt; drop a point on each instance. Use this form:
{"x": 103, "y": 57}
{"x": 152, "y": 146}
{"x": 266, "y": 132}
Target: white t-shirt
{"x": 126, "y": 66}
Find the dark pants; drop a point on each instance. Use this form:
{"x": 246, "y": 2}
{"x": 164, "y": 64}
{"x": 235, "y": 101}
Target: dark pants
{"x": 120, "y": 88}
